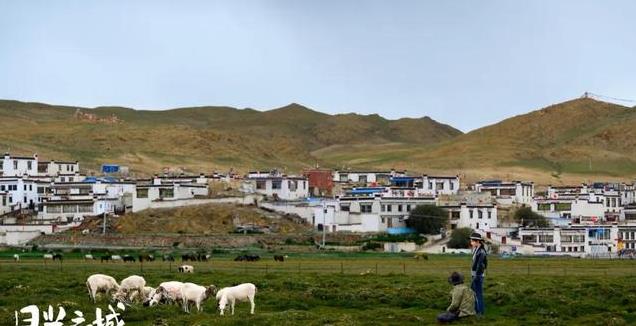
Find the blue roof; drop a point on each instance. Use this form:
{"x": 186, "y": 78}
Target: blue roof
{"x": 365, "y": 190}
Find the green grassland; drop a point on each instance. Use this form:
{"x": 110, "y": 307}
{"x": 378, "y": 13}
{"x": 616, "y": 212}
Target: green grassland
{"x": 345, "y": 289}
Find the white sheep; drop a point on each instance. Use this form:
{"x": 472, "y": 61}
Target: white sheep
{"x": 193, "y": 293}
{"x": 16, "y": 257}
{"x": 186, "y": 269}
{"x": 167, "y": 292}
{"x": 100, "y": 283}
{"x": 241, "y": 292}
{"x": 116, "y": 257}
{"x": 47, "y": 256}
{"x": 128, "y": 287}
{"x": 145, "y": 295}
{"x": 89, "y": 257}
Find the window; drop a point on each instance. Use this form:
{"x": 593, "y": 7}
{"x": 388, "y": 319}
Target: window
{"x": 430, "y": 185}
{"x": 69, "y": 208}
{"x": 389, "y": 208}
{"x": 344, "y": 178}
{"x": 142, "y": 193}
{"x": 344, "y": 207}
{"x": 365, "y": 208}
{"x": 24, "y": 200}
{"x": 29, "y": 165}
{"x": 452, "y": 186}
{"x": 25, "y": 187}
{"x": 260, "y": 184}
{"x": 399, "y": 208}
{"x": 362, "y": 179}
{"x": 15, "y": 164}
{"x": 470, "y": 213}
{"x": 277, "y": 184}
{"x": 292, "y": 185}
{"x": 383, "y": 208}
{"x": 563, "y": 207}
{"x": 439, "y": 186}
{"x": 455, "y": 215}
{"x": 10, "y": 200}
{"x": 2, "y": 188}
{"x": 166, "y": 193}
{"x": 544, "y": 207}
{"x": 408, "y": 208}
{"x": 546, "y": 238}
{"x": 54, "y": 209}
{"x": 4, "y": 201}
{"x": 480, "y": 214}
{"x": 86, "y": 208}
{"x": 30, "y": 187}
{"x": 489, "y": 214}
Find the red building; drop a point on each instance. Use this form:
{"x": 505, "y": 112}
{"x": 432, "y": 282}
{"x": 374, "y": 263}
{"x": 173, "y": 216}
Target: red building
{"x": 320, "y": 181}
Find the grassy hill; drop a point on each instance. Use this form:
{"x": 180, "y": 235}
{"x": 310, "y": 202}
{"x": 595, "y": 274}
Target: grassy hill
{"x": 570, "y": 142}
{"x": 201, "y": 138}
{"x": 563, "y": 143}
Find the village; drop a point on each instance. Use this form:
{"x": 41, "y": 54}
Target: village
{"x": 597, "y": 220}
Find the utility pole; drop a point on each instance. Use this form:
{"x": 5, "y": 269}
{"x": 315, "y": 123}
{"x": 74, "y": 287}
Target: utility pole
{"x": 324, "y": 221}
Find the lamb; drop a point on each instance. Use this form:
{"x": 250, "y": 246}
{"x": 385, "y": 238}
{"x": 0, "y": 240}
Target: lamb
{"x": 186, "y": 269}
{"x": 241, "y": 292}
{"x": 167, "y": 292}
{"x": 100, "y": 283}
{"x": 130, "y": 285}
{"x": 196, "y": 294}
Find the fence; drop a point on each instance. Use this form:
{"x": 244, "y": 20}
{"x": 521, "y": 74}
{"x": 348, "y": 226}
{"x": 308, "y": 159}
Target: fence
{"x": 520, "y": 267}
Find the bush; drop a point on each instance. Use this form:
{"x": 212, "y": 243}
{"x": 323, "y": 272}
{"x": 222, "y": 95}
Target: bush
{"x": 526, "y": 217}
{"x": 371, "y": 245}
{"x": 427, "y": 219}
{"x": 460, "y": 238}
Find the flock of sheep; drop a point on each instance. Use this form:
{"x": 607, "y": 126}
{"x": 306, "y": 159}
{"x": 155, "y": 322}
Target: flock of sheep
{"x": 133, "y": 288}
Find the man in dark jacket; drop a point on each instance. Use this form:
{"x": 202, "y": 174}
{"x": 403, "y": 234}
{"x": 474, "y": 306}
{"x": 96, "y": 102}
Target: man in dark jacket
{"x": 462, "y": 300}
{"x": 478, "y": 270}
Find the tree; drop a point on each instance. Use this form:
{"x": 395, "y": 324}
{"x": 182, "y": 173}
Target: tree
{"x": 427, "y": 219}
{"x": 460, "y": 238}
{"x": 526, "y": 217}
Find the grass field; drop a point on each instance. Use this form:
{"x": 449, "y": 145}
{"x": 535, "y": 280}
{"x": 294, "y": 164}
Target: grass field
{"x": 345, "y": 289}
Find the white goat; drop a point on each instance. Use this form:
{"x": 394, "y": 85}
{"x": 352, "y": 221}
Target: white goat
{"x": 241, "y": 292}
{"x": 129, "y": 288}
{"x": 167, "y": 292}
{"x": 100, "y": 283}
{"x": 196, "y": 294}
{"x": 186, "y": 269}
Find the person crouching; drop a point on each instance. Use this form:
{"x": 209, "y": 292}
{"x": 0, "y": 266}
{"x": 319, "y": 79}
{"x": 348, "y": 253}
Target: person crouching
{"x": 462, "y": 300}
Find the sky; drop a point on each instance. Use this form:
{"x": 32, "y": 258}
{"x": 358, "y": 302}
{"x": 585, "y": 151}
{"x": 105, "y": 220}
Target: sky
{"x": 464, "y": 63}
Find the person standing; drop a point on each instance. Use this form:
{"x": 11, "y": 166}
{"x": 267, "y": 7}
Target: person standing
{"x": 478, "y": 271}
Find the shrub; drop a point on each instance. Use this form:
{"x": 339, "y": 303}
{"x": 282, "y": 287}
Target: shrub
{"x": 526, "y": 217}
{"x": 460, "y": 238}
{"x": 427, "y": 219}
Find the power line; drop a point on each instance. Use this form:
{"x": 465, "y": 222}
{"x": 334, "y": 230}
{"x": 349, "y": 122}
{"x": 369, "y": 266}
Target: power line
{"x": 598, "y": 96}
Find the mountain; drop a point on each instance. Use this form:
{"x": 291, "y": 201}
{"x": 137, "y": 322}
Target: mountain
{"x": 201, "y": 138}
{"x": 572, "y": 141}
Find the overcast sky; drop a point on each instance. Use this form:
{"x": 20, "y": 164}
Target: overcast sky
{"x": 465, "y": 63}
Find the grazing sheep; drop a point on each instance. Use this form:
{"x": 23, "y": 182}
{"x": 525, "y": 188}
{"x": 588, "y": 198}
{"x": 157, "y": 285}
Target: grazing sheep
{"x": 115, "y": 257}
{"x": 279, "y": 258}
{"x": 186, "y": 269}
{"x": 106, "y": 258}
{"x": 89, "y": 257}
{"x": 100, "y": 283}
{"x": 128, "y": 258}
{"x": 241, "y": 292}
{"x": 16, "y": 257}
{"x": 145, "y": 294}
{"x": 167, "y": 292}
{"x": 128, "y": 287}
{"x": 193, "y": 293}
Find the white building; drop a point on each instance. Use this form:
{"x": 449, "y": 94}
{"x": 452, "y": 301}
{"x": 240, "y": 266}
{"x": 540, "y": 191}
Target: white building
{"x": 366, "y": 177}
{"x": 145, "y": 194}
{"x": 371, "y": 213}
{"x": 13, "y": 166}
{"x": 58, "y": 168}
{"x": 479, "y": 217}
{"x": 580, "y": 240}
{"x": 21, "y": 192}
{"x": 439, "y": 185}
{"x": 279, "y": 187}
{"x": 508, "y": 193}
{"x": 601, "y": 202}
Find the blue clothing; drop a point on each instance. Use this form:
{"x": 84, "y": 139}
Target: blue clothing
{"x": 477, "y": 286}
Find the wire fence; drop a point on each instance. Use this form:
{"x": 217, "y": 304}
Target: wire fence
{"x": 530, "y": 267}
